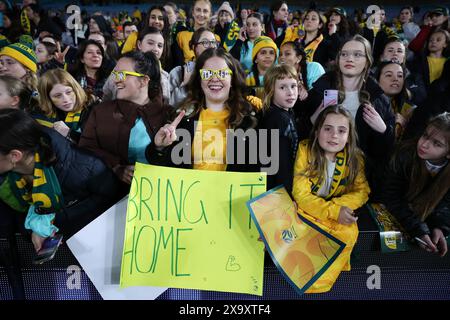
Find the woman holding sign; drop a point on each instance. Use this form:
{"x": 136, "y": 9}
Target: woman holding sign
{"x": 214, "y": 105}
{"x": 119, "y": 131}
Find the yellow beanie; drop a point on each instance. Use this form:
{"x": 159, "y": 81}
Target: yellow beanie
{"x": 263, "y": 42}
{"x": 22, "y": 53}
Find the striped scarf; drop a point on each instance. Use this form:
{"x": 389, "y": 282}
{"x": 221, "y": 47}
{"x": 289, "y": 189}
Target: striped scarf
{"x": 25, "y": 22}
{"x": 45, "y": 193}
{"x": 311, "y": 48}
{"x": 72, "y": 120}
{"x": 232, "y": 35}
{"x": 338, "y": 175}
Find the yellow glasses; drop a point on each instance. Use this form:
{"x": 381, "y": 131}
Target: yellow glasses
{"x": 122, "y": 75}
{"x": 221, "y": 74}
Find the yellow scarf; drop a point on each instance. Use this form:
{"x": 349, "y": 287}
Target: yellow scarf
{"x": 311, "y": 48}
{"x": 338, "y": 175}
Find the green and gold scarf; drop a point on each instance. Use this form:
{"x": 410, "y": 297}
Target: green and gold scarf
{"x": 45, "y": 193}
{"x": 72, "y": 120}
{"x": 232, "y": 35}
{"x": 338, "y": 175}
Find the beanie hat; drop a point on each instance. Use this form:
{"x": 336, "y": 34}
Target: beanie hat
{"x": 339, "y": 10}
{"x": 22, "y": 53}
{"x": 3, "y": 41}
{"x": 441, "y": 11}
{"x": 26, "y": 40}
{"x": 263, "y": 42}
{"x": 226, "y": 7}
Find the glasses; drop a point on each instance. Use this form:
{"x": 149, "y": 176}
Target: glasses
{"x": 209, "y": 44}
{"x": 221, "y": 74}
{"x": 122, "y": 75}
{"x": 356, "y": 55}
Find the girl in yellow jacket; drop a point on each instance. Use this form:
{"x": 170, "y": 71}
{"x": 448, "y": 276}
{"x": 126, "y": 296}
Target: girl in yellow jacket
{"x": 329, "y": 184}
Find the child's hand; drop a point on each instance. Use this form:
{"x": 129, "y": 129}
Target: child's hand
{"x": 346, "y": 216}
{"x": 373, "y": 118}
{"x": 439, "y": 240}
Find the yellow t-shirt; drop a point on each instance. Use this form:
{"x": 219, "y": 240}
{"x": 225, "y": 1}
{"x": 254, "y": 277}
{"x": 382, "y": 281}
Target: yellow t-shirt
{"x": 210, "y": 141}
{"x": 436, "y": 65}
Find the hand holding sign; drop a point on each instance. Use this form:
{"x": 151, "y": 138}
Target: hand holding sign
{"x": 167, "y": 135}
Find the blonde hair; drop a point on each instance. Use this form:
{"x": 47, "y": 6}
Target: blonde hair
{"x": 317, "y": 164}
{"x": 276, "y": 72}
{"x": 17, "y": 88}
{"x": 363, "y": 94}
{"x": 59, "y": 76}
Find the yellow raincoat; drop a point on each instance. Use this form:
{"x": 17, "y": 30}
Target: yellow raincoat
{"x": 325, "y": 211}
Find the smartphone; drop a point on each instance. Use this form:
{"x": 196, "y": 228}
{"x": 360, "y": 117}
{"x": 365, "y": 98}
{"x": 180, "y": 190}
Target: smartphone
{"x": 190, "y": 65}
{"x": 48, "y": 249}
{"x": 330, "y": 97}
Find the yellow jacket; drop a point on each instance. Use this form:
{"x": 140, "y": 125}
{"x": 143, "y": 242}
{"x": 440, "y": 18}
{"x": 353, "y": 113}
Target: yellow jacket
{"x": 318, "y": 207}
{"x": 325, "y": 211}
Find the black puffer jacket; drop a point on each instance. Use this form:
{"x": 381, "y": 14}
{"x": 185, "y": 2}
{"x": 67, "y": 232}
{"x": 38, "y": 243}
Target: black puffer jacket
{"x": 87, "y": 185}
{"x": 397, "y": 182}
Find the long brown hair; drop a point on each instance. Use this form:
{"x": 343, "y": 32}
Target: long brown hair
{"x": 425, "y": 192}
{"x": 317, "y": 164}
{"x": 238, "y": 106}
{"x": 363, "y": 94}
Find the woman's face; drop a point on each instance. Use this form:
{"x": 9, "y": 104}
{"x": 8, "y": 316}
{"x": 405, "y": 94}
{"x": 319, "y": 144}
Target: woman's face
{"x": 394, "y": 51}
{"x": 201, "y": 13}
{"x": 405, "y": 16}
{"x": 6, "y": 100}
{"x": 312, "y": 22}
{"x": 288, "y": 55}
{"x": 392, "y": 79}
{"x": 11, "y": 67}
{"x": 93, "y": 26}
{"x": 42, "y": 53}
{"x": 265, "y": 58}
{"x": 63, "y": 97}
{"x": 170, "y": 14}
{"x": 244, "y": 14}
{"x": 282, "y": 14}
{"x": 438, "y": 19}
{"x": 152, "y": 42}
{"x": 209, "y": 39}
{"x": 352, "y": 59}
{"x": 215, "y": 89}
{"x": 92, "y": 57}
{"x": 224, "y": 18}
{"x": 433, "y": 145}
{"x": 254, "y": 28}
{"x": 335, "y": 18}
{"x": 156, "y": 19}
{"x": 129, "y": 89}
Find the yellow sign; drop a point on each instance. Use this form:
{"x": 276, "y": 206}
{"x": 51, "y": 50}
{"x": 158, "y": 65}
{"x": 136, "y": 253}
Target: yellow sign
{"x": 300, "y": 249}
{"x": 191, "y": 229}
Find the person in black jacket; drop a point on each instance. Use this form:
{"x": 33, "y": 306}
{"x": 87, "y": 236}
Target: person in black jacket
{"x": 438, "y": 101}
{"x": 62, "y": 187}
{"x": 417, "y": 185}
{"x": 363, "y": 97}
{"x": 281, "y": 93}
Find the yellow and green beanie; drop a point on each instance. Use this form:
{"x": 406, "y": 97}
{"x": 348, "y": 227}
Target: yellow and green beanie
{"x": 263, "y": 42}
{"x": 22, "y": 53}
